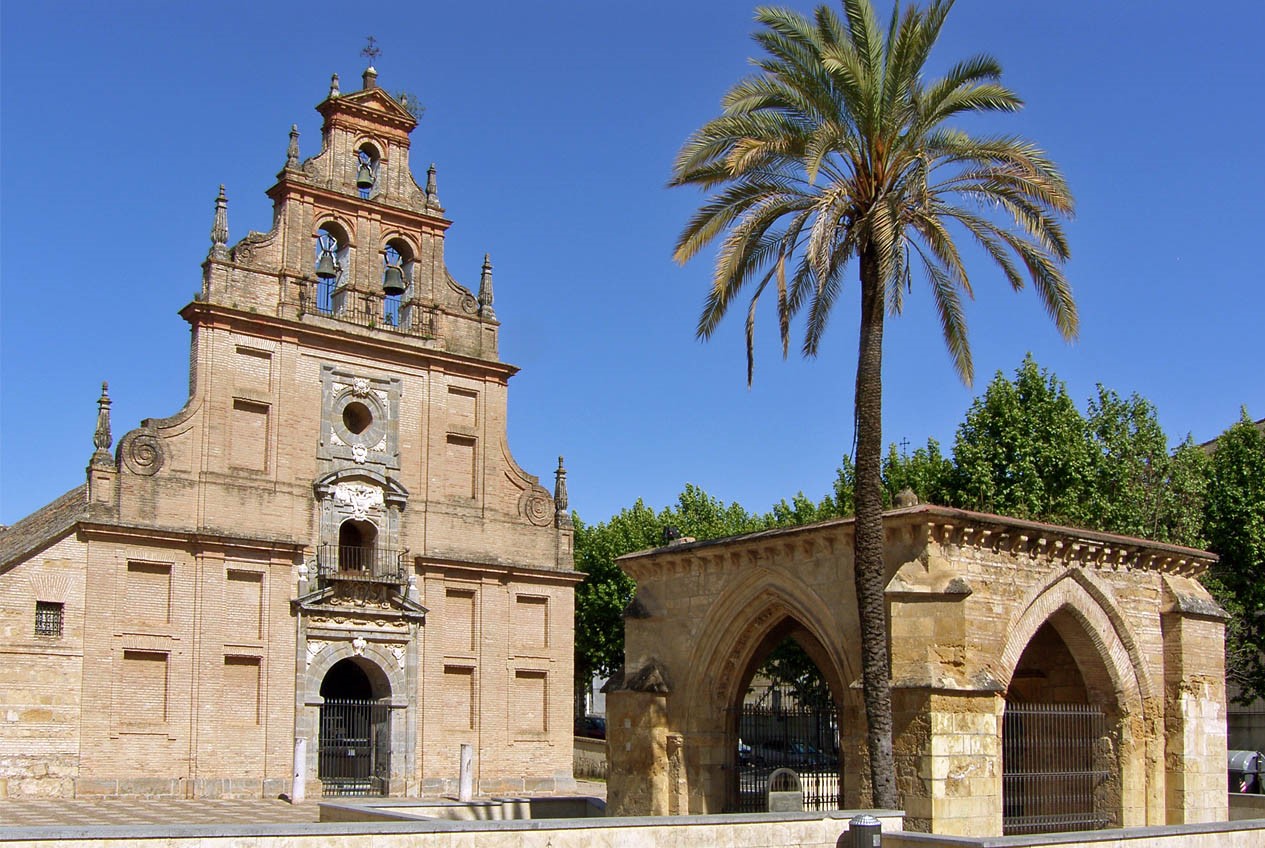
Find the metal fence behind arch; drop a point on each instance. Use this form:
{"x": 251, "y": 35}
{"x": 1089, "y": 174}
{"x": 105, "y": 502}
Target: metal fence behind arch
{"x": 778, "y": 730}
{"x": 1052, "y": 768}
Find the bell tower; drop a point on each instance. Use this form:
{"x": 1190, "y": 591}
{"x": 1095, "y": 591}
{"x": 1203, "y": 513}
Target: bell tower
{"x": 359, "y": 241}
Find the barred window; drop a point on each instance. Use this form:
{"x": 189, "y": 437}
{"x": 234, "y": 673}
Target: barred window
{"x": 48, "y": 618}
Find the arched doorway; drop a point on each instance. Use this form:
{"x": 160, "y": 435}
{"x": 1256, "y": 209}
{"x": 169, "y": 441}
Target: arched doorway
{"x": 1060, "y": 769}
{"x": 785, "y": 716}
{"x": 354, "y": 751}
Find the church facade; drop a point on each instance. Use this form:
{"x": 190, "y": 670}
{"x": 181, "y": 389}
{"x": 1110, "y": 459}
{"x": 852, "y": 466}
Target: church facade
{"x": 326, "y": 573}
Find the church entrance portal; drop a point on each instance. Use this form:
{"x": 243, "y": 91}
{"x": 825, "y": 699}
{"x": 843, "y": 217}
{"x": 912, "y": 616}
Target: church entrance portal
{"x": 354, "y": 755}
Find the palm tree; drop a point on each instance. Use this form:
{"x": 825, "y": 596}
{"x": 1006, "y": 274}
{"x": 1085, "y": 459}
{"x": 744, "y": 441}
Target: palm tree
{"x": 836, "y": 149}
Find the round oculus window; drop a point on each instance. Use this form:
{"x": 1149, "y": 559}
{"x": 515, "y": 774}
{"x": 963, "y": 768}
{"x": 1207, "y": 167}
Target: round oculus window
{"x": 357, "y": 417}
{"x": 359, "y": 420}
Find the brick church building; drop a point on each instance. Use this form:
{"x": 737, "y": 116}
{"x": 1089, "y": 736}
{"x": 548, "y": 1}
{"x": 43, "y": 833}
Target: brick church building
{"x": 327, "y": 563}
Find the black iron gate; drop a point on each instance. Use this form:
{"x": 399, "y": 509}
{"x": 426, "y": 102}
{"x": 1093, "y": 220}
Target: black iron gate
{"x": 354, "y": 756}
{"x": 1052, "y": 767}
{"x": 778, "y": 728}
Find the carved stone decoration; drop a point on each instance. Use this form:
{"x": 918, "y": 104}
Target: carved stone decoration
{"x": 142, "y": 452}
{"x": 906, "y": 498}
{"x": 359, "y": 498}
{"x": 358, "y": 646}
{"x": 536, "y": 506}
{"x": 398, "y": 652}
{"x": 360, "y": 387}
{"x": 314, "y": 647}
{"x": 362, "y": 595}
{"x": 359, "y": 453}
{"x": 650, "y": 678}
{"x": 469, "y": 303}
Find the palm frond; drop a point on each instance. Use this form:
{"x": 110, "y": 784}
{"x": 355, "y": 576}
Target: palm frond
{"x": 835, "y": 148}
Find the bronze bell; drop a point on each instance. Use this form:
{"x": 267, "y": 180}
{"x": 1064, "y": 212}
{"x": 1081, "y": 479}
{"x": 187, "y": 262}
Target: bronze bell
{"x": 364, "y": 176}
{"x": 393, "y": 281}
{"x": 326, "y": 268}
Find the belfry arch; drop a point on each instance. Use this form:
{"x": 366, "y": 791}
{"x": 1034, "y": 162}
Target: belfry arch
{"x": 986, "y": 615}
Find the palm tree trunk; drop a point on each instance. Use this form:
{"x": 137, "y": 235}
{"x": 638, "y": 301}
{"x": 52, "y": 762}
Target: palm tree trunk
{"x": 868, "y": 545}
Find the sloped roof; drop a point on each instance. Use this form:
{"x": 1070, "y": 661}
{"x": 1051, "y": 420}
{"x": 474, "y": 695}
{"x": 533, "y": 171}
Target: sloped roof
{"x": 1210, "y": 446}
{"x": 44, "y": 526}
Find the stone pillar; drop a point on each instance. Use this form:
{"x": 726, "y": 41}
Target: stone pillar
{"x": 948, "y": 760}
{"x": 1194, "y": 707}
{"x": 637, "y": 752}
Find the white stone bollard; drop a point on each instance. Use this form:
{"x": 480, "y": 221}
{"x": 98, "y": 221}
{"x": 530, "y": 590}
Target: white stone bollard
{"x": 299, "y": 784}
{"x": 466, "y": 789}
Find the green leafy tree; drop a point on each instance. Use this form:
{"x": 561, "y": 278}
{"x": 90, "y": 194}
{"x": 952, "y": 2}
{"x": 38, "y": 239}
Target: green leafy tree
{"x": 1131, "y": 465}
{"x": 790, "y": 665}
{"x": 926, "y": 472}
{"x": 1024, "y": 451}
{"x": 601, "y": 598}
{"x": 1185, "y": 495}
{"x": 800, "y": 510}
{"x": 1235, "y": 526}
{"x": 839, "y": 151}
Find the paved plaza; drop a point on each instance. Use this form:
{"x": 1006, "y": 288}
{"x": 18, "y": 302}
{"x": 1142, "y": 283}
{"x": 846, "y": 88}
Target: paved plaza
{"x": 61, "y": 812}
{"x": 141, "y": 811}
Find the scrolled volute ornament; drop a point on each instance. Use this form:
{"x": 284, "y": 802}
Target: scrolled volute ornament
{"x": 142, "y": 452}
{"x": 536, "y": 506}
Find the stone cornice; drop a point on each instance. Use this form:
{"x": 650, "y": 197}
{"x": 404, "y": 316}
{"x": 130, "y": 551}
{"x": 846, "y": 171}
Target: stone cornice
{"x": 199, "y": 541}
{"x": 498, "y": 571}
{"x": 944, "y": 526}
{"x": 998, "y": 534}
{"x": 295, "y": 186}
{"x": 342, "y": 337}
{"x": 750, "y": 550}
{"x": 349, "y": 111}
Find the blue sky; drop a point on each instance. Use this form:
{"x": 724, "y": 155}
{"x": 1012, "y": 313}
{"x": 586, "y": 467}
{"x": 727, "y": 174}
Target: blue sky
{"x": 553, "y": 127}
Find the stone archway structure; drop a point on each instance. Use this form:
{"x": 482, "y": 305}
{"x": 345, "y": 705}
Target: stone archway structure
{"x": 390, "y": 664}
{"x": 967, "y": 594}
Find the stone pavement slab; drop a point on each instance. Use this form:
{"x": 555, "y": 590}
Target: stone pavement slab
{"x": 62, "y": 812}
{"x": 17, "y": 812}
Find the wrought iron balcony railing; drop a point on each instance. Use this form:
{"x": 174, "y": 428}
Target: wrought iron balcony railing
{"x": 353, "y": 563}
{"x": 375, "y": 311}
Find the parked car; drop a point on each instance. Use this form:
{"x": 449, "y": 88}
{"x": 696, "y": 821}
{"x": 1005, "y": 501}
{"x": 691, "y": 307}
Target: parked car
{"x": 782, "y": 753}
{"x": 594, "y": 727}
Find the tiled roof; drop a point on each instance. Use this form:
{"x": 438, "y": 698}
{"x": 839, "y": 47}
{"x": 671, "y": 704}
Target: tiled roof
{"x": 43, "y": 526}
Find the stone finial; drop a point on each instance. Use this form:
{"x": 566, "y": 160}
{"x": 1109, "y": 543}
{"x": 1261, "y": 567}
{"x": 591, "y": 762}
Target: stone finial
{"x": 906, "y": 498}
{"x": 560, "y": 488}
{"x": 219, "y": 227}
{"x": 432, "y": 191}
{"x": 333, "y": 86}
{"x": 485, "y": 289}
{"x": 370, "y": 78}
{"x": 102, "y": 438}
{"x": 292, "y": 151}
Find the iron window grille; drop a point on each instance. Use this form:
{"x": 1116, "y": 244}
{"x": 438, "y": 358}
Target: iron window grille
{"x": 48, "y": 618}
